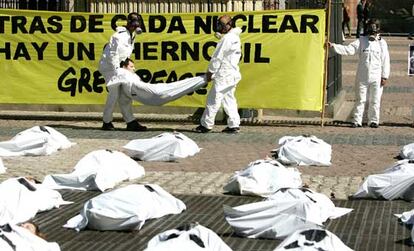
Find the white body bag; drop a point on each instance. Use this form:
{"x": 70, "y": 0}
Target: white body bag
{"x": 38, "y": 140}
{"x": 164, "y": 147}
{"x": 282, "y": 214}
{"x": 263, "y": 178}
{"x": 98, "y": 170}
{"x": 303, "y": 151}
{"x": 126, "y": 208}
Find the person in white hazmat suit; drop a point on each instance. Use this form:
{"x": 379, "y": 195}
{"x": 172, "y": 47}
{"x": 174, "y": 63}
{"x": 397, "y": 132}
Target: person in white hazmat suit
{"x": 119, "y": 48}
{"x": 24, "y": 237}
{"x": 2, "y": 167}
{"x": 372, "y": 74}
{"x": 190, "y": 236}
{"x": 223, "y": 69}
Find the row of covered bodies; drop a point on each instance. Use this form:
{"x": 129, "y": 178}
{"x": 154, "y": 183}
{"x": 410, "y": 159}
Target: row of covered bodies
{"x": 95, "y": 172}
{"x": 125, "y": 208}
{"x": 289, "y": 210}
{"x": 290, "y": 207}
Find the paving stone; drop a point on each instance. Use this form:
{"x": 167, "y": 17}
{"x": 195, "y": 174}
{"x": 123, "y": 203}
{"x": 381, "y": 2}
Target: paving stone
{"x": 341, "y": 196}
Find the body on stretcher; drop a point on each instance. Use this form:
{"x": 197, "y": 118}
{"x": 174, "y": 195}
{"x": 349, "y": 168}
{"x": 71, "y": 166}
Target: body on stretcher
{"x": 155, "y": 94}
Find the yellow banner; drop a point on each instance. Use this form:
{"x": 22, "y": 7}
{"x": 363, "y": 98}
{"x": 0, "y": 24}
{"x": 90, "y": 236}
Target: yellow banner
{"x": 52, "y": 57}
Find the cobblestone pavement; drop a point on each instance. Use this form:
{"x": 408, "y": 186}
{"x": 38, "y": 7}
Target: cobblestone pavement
{"x": 356, "y": 152}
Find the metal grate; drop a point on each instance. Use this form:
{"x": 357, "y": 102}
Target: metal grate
{"x": 371, "y": 226}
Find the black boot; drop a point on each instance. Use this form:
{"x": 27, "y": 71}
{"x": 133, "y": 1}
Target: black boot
{"x": 201, "y": 129}
{"x": 108, "y": 126}
{"x": 232, "y": 130}
{"x": 135, "y": 126}
{"x": 374, "y": 125}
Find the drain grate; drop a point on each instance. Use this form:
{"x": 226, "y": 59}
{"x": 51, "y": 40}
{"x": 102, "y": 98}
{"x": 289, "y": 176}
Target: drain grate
{"x": 371, "y": 226}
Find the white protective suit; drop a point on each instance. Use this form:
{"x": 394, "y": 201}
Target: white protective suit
{"x": 303, "y": 151}
{"x": 134, "y": 88}
{"x": 408, "y": 219}
{"x": 312, "y": 240}
{"x": 396, "y": 182}
{"x": 188, "y": 237}
{"x": 164, "y": 147}
{"x": 407, "y": 152}
{"x": 226, "y": 74}
{"x": 263, "y": 178}
{"x": 126, "y": 208}
{"x": 374, "y": 64}
{"x": 119, "y": 48}
{"x": 16, "y": 238}
{"x": 21, "y": 200}
{"x": 35, "y": 141}
{"x": 411, "y": 66}
{"x": 282, "y": 214}
{"x": 2, "y": 167}
{"x": 98, "y": 170}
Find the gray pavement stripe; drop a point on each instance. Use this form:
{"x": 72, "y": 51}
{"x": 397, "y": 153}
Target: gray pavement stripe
{"x": 403, "y": 45}
{"x": 212, "y": 183}
{"x": 242, "y": 137}
{"x": 355, "y": 61}
{"x": 397, "y": 73}
{"x": 391, "y": 43}
{"x": 387, "y": 89}
{"x": 412, "y": 113}
{"x": 399, "y": 52}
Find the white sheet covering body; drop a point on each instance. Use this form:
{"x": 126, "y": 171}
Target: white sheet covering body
{"x": 182, "y": 238}
{"x": 396, "y": 182}
{"x": 21, "y": 200}
{"x": 408, "y": 219}
{"x": 282, "y": 214}
{"x": 304, "y": 150}
{"x": 263, "y": 178}
{"x": 35, "y": 141}
{"x": 155, "y": 94}
{"x": 2, "y": 167}
{"x": 407, "y": 152}
{"x": 164, "y": 147}
{"x": 126, "y": 208}
{"x": 312, "y": 240}
{"x": 16, "y": 238}
{"x": 98, "y": 170}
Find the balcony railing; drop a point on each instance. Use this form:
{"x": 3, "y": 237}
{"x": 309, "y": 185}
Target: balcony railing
{"x": 174, "y": 6}
{"x": 52, "y": 5}
{"x": 143, "y": 6}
